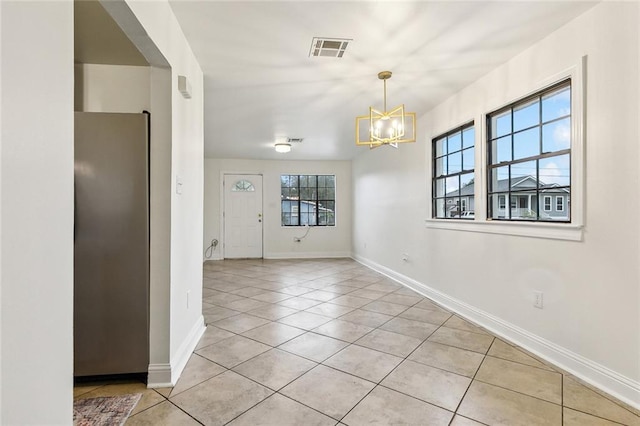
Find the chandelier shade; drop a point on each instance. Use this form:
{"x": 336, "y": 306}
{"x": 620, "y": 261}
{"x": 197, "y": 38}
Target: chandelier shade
{"x": 387, "y": 127}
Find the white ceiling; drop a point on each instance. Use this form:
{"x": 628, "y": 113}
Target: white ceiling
{"x": 260, "y": 82}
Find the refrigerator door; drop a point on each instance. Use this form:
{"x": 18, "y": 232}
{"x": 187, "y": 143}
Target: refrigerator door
{"x": 111, "y": 256}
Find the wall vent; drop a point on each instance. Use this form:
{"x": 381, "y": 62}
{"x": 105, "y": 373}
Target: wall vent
{"x": 329, "y": 47}
{"x": 295, "y": 140}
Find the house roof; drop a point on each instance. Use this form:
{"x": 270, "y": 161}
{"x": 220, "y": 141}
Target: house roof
{"x": 522, "y": 184}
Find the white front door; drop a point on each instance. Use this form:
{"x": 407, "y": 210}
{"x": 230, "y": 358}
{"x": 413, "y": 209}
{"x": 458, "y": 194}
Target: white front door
{"x": 242, "y": 216}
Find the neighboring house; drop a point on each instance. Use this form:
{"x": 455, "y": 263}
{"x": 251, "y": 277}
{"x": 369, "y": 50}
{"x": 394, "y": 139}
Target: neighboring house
{"x": 461, "y": 200}
{"x": 307, "y": 213}
{"x": 554, "y": 200}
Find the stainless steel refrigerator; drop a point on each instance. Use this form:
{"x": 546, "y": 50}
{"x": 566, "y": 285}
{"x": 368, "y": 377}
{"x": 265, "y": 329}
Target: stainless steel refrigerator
{"x": 111, "y": 252}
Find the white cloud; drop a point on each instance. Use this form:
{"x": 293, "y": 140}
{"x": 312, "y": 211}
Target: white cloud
{"x": 562, "y": 134}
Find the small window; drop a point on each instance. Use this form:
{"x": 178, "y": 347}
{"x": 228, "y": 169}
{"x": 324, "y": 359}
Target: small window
{"x": 453, "y": 173}
{"x": 502, "y": 202}
{"x": 529, "y": 146}
{"x": 243, "y": 186}
{"x": 559, "y": 203}
{"x": 308, "y": 200}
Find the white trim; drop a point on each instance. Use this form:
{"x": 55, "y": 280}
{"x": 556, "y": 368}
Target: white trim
{"x": 621, "y": 387}
{"x": 544, "y": 203}
{"x": 167, "y": 375}
{"x": 561, "y": 198}
{"x": 308, "y": 255}
{"x": 159, "y": 376}
{"x": 552, "y": 231}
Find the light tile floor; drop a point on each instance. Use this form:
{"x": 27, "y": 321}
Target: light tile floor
{"x": 330, "y": 342}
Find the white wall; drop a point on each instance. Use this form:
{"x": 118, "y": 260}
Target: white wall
{"x": 37, "y": 213}
{"x": 112, "y": 88}
{"x": 278, "y": 240}
{"x": 186, "y": 322}
{"x": 591, "y": 319}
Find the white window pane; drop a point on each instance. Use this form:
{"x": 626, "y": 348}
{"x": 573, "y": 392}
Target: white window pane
{"x": 441, "y": 166}
{"x": 468, "y": 159}
{"x": 455, "y": 163}
{"x": 555, "y": 171}
{"x": 556, "y": 104}
{"x": 556, "y": 136}
{"x": 467, "y": 180}
{"x": 441, "y": 147}
{"x": 523, "y": 176}
{"x": 497, "y": 204}
{"x": 526, "y": 144}
{"x": 501, "y": 124}
{"x": 454, "y": 142}
{"x": 440, "y": 189}
{"x": 526, "y": 115}
{"x": 452, "y": 186}
{"x": 468, "y": 137}
{"x": 502, "y": 150}
{"x": 452, "y": 207}
{"x": 500, "y": 179}
{"x": 440, "y": 208}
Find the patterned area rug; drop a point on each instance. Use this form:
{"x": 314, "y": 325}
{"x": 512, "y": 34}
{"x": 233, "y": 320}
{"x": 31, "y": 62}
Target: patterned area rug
{"x": 112, "y": 410}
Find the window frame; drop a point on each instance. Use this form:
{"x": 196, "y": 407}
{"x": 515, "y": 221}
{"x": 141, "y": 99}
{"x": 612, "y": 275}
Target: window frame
{"x": 573, "y": 231}
{"x": 560, "y": 207}
{"x": 490, "y": 165}
{"x": 299, "y": 211}
{"x": 434, "y": 159}
{"x": 544, "y": 203}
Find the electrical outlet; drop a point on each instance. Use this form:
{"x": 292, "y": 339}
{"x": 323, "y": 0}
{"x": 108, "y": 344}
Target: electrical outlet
{"x": 537, "y": 299}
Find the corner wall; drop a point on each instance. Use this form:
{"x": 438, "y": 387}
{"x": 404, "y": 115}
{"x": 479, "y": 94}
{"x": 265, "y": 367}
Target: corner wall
{"x": 175, "y": 302}
{"x": 590, "y": 323}
{"x": 37, "y": 213}
{"x": 278, "y": 240}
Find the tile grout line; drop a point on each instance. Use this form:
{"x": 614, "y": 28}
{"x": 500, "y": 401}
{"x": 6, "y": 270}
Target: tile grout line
{"x": 392, "y": 370}
{"x": 474, "y": 378}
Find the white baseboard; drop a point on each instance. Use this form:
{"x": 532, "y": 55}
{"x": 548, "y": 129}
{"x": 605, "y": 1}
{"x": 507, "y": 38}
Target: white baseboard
{"x": 167, "y": 375}
{"x": 159, "y": 376}
{"x": 611, "y": 382}
{"x": 216, "y": 257}
{"x": 307, "y": 255}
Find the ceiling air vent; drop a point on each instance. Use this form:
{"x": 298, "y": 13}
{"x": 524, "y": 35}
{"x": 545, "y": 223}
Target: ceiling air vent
{"x": 295, "y": 140}
{"x": 329, "y": 47}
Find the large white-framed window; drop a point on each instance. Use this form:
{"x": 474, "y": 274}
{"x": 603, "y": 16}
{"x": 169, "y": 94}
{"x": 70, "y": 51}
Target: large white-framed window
{"x": 521, "y": 212}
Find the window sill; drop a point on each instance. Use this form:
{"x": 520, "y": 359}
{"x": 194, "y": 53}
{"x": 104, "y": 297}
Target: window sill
{"x": 553, "y": 231}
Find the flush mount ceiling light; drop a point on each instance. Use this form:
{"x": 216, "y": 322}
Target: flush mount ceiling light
{"x": 283, "y": 147}
{"x": 386, "y": 127}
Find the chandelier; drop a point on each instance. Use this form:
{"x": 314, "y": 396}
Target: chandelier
{"x": 387, "y": 127}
